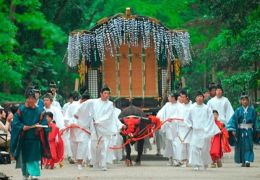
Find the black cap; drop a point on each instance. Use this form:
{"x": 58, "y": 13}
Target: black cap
{"x": 199, "y": 93}
{"x": 211, "y": 86}
{"x": 219, "y": 87}
{"x": 244, "y": 95}
{"x": 30, "y": 93}
{"x": 85, "y": 95}
{"x": 74, "y": 95}
{"x": 36, "y": 89}
{"x": 174, "y": 94}
{"x": 49, "y": 96}
{"x": 52, "y": 84}
{"x": 105, "y": 88}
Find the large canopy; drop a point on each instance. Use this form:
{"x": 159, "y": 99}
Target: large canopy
{"x": 110, "y": 33}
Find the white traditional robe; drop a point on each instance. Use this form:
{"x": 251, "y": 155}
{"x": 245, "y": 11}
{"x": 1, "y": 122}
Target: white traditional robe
{"x": 169, "y": 110}
{"x": 84, "y": 118}
{"x": 201, "y": 120}
{"x": 57, "y": 115}
{"x": 183, "y": 132}
{"x": 70, "y": 136}
{"x": 116, "y": 140}
{"x": 223, "y": 106}
{"x": 56, "y": 104}
{"x": 103, "y": 126}
{"x": 65, "y": 107}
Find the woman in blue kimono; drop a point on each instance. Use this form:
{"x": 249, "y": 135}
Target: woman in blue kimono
{"x": 242, "y": 126}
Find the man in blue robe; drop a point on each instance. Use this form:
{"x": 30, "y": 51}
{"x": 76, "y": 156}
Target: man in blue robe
{"x": 29, "y": 141}
{"x": 242, "y": 126}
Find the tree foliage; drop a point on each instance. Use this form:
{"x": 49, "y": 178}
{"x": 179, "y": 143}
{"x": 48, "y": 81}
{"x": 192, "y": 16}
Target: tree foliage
{"x": 224, "y": 34}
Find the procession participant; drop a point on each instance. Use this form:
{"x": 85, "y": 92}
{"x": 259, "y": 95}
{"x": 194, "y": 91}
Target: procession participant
{"x": 181, "y": 142}
{"x": 206, "y": 95}
{"x": 200, "y": 119}
{"x": 103, "y": 126}
{"x": 55, "y": 142}
{"x": 56, "y": 97}
{"x": 222, "y": 105}
{"x": 66, "y": 105}
{"x": 57, "y": 114}
{"x": 169, "y": 110}
{"x": 116, "y": 139}
{"x": 212, "y": 90}
{"x": 159, "y": 141}
{"x": 54, "y": 102}
{"x": 243, "y": 125}
{"x": 219, "y": 143}
{"x": 70, "y": 135}
{"x": 39, "y": 101}
{"x": 28, "y": 140}
{"x": 83, "y": 120}
{"x": 4, "y": 128}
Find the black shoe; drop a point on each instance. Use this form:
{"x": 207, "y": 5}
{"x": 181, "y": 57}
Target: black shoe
{"x": 138, "y": 163}
{"x": 71, "y": 161}
{"x": 243, "y": 165}
{"x": 247, "y": 164}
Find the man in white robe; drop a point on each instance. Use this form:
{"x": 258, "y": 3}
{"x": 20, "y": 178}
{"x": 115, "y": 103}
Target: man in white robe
{"x": 222, "y": 105}
{"x": 181, "y": 142}
{"x": 66, "y": 105}
{"x": 169, "y": 110}
{"x": 116, "y": 140}
{"x": 104, "y": 125}
{"x": 84, "y": 118}
{"x": 201, "y": 120}
{"x": 69, "y": 136}
{"x": 57, "y": 114}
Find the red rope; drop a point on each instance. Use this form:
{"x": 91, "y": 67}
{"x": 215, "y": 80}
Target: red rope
{"x": 75, "y": 126}
{"x": 127, "y": 141}
{"x": 139, "y": 138}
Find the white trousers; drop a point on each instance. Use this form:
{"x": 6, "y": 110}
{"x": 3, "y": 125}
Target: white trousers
{"x": 200, "y": 157}
{"x": 170, "y": 149}
{"x": 99, "y": 152}
{"x": 67, "y": 145}
{"x": 80, "y": 149}
{"x": 182, "y": 150}
{"x": 116, "y": 140}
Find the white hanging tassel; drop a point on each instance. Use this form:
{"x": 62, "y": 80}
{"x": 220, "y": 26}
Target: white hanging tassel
{"x": 119, "y": 30}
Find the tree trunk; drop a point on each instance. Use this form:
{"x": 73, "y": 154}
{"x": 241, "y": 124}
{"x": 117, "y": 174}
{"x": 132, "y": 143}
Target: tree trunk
{"x": 12, "y": 11}
{"x": 59, "y": 12}
{"x": 213, "y": 71}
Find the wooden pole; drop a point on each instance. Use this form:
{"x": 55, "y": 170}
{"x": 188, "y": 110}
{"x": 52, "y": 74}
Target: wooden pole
{"x": 128, "y": 12}
{"x": 76, "y": 84}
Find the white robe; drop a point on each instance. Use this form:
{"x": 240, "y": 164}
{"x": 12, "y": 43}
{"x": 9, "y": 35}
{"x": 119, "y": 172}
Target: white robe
{"x": 70, "y": 136}
{"x": 116, "y": 140}
{"x": 65, "y": 107}
{"x": 84, "y": 118}
{"x": 183, "y": 132}
{"x": 103, "y": 126}
{"x": 169, "y": 110}
{"x": 56, "y": 104}
{"x": 57, "y": 115}
{"x": 201, "y": 120}
{"x": 223, "y": 106}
